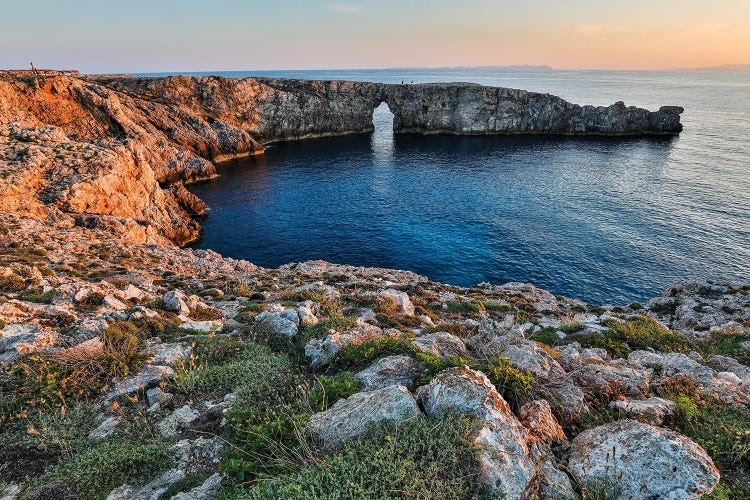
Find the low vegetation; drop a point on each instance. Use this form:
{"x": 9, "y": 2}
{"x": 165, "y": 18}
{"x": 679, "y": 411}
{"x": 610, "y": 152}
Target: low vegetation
{"x": 133, "y": 456}
{"x": 222, "y": 366}
{"x": 728, "y": 343}
{"x": 641, "y": 333}
{"x": 52, "y": 378}
{"x": 723, "y": 431}
{"x": 509, "y": 380}
{"x": 418, "y": 458}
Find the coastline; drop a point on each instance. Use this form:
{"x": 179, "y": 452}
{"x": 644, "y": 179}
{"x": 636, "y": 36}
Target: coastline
{"x": 93, "y": 215}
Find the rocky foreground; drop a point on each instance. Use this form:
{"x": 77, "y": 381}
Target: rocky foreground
{"x": 132, "y": 368}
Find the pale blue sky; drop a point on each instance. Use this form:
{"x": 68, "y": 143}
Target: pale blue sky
{"x": 192, "y": 35}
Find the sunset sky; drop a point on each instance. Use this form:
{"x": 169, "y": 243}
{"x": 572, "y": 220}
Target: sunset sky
{"x": 198, "y": 35}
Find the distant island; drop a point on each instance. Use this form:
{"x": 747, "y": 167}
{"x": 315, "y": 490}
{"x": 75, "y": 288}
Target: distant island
{"x": 501, "y": 68}
{"x": 736, "y": 68}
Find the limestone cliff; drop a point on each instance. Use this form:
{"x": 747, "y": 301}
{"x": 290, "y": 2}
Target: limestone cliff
{"x": 120, "y": 148}
{"x": 475, "y": 109}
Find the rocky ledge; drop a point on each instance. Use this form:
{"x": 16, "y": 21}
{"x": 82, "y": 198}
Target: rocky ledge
{"x": 149, "y": 371}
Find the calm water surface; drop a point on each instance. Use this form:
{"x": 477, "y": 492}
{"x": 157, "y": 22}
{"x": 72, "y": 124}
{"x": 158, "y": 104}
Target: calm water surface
{"x": 603, "y": 220}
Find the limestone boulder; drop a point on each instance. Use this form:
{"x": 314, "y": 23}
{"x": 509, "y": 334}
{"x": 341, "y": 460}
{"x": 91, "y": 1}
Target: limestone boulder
{"x": 279, "y": 322}
{"x": 506, "y": 466}
{"x": 306, "y": 313}
{"x": 403, "y": 302}
{"x": 105, "y": 429}
{"x": 636, "y": 460}
{"x": 672, "y": 364}
{"x": 391, "y": 370}
{"x": 350, "y": 418}
{"x": 727, "y": 364}
{"x": 725, "y": 386}
{"x": 170, "y": 354}
{"x": 178, "y": 420}
{"x": 530, "y": 357}
{"x": 144, "y": 378}
{"x": 538, "y": 419}
{"x": 176, "y": 301}
{"x": 441, "y": 344}
{"x": 208, "y": 490}
{"x": 651, "y": 411}
{"x": 612, "y": 379}
{"x": 568, "y": 401}
{"x": 152, "y": 490}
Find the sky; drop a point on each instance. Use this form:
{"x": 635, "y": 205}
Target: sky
{"x": 224, "y": 35}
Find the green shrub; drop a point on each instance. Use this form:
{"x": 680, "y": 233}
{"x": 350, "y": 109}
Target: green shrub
{"x": 729, "y": 490}
{"x": 321, "y": 329}
{"x": 434, "y": 364}
{"x": 157, "y": 304}
{"x": 547, "y": 335}
{"x": 38, "y": 295}
{"x": 641, "y": 333}
{"x": 31, "y": 444}
{"x": 509, "y": 380}
{"x": 418, "y": 458}
{"x": 723, "y": 431}
{"x": 12, "y": 283}
{"x": 496, "y": 306}
{"x": 465, "y": 307}
{"x": 267, "y": 438}
{"x": 90, "y": 302}
{"x": 571, "y": 328}
{"x": 727, "y": 343}
{"x": 398, "y": 321}
{"x": 56, "y": 432}
{"x": 386, "y": 305}
{"x": 130, "y": 457}
{"x": 457, "y": 329}
{"x": 52, "y": 378}
{"x": 357, "y": 356}
{"x": 328, "y": 390}
{"x": 225, "y": 366}
{"x": 201, "y": 313}
{"x": 263, "y": 333}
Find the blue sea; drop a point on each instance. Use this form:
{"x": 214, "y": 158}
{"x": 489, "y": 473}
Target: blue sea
{"x": 600, "y": 219}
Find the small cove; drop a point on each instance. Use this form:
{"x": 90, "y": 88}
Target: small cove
{"x": 601, "y": 219}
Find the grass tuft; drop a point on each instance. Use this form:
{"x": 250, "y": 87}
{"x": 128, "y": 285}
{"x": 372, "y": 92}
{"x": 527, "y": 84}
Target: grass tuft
{"x": 417, "y": 458}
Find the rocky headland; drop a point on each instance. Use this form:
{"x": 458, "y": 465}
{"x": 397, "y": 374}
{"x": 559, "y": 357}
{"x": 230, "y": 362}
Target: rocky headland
{"x": 133, "y": 368}
{"x": 123, "y": 147}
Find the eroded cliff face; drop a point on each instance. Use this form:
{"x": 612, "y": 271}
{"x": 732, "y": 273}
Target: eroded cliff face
{"x": 475, "y": 109}
{"x": 122, "y": 148}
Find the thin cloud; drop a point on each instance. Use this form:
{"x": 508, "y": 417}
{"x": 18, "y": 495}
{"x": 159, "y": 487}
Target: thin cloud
{"x": 343, "y": 8}
{"x": 604, "y": 29}
{"x": 590, "y": 29}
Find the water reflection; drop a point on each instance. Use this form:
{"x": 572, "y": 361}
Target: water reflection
{"x": 382, "y": 137}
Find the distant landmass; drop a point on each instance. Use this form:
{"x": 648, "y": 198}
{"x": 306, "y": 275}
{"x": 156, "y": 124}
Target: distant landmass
{"x": 726, "y": 67}
{"x": 513, "y": 67}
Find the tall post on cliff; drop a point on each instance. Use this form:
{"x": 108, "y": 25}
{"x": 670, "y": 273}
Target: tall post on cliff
{"x": 36, "y": 74}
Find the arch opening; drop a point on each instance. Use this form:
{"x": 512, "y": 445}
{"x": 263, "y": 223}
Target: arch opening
{"x": 382, "y": 135}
